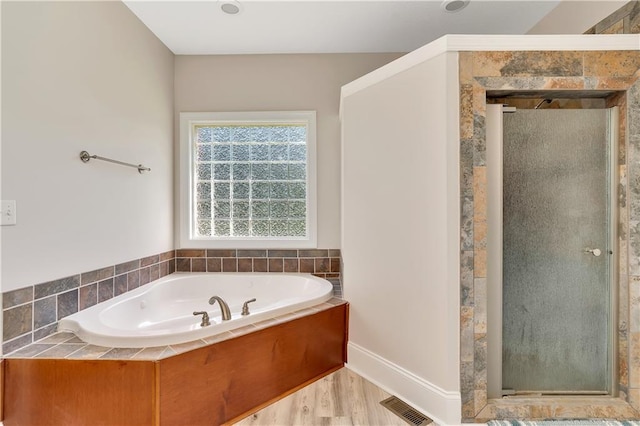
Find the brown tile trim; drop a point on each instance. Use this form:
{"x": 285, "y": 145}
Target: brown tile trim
{"x": 276, "y": 265}
{"x": 17, "y": 297}
{"x": 259, "y": 265}
{"x": 18, "y": 321}
{"x": 31, "y": 313}
{"x": 167, "y": 255}
{"x": 322, "y": 262}
{"x": 97, "y": 275}
{"x": 183, "y": 264}
{"x": 307, "y": 265}
{"x": 214, "y": 264}
{"x": 89, "y": 295}
{"x": 335, "y": 264}
{"x": 291, "y": 265}
{"x": 199, "y": 264}
{"x": 245, "y": 264}
{"x": 283, "y": 253}
{"x": 56, "y": 286}
{"x": 230, "y": 264}
{"x": 221, "y": 253}
{"x": 190, "y": 253}
{"x": 127, "y": 266}
{"x": 313, "y": 253}
{"x": 151, "y": 260}
{"x": 251, "y": 253}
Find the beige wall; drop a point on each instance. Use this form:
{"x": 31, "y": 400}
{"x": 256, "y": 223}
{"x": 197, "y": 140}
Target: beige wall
{"x": 281, "y": 83}
{"x": 575, "y": 16}
{"x": 400, "y": 234}
{"x": 83, "y": 76}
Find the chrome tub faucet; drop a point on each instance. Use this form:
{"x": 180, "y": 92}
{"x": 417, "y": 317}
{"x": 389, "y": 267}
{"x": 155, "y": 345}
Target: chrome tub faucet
{"x": 224, "y": 308}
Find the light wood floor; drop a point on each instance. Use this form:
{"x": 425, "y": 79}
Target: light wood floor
{"x": 341, "y": 398}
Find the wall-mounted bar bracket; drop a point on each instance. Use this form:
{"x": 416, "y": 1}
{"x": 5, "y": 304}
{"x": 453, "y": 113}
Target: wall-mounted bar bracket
{"x": 85, "y": 157}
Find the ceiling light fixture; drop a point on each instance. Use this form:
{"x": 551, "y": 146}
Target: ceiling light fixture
{"x": 453, "y": 6}
{"x": 231, "y": 7}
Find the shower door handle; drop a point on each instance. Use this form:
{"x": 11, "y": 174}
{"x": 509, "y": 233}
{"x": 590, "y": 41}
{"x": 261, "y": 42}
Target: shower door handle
{"x": 595, "y": 252}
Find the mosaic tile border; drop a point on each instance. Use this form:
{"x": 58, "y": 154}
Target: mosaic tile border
{"x": 32, "y": 313}
{"x": 63, "y": 345}
{"x": 542, "y": 71}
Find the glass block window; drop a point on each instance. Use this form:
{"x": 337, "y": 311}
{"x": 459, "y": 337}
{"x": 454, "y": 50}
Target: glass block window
{"x": 251, "y": 178}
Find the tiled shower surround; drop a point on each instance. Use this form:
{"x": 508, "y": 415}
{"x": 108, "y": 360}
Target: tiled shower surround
{"x": 32, "y": 313}
{"x": 545, "y": 72}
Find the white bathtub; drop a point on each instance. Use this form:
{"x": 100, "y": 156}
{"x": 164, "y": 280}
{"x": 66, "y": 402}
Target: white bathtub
{"x": 161, "y": 313}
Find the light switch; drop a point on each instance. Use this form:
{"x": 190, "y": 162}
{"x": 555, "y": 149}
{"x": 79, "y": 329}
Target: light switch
{"x": 8, "y": 212}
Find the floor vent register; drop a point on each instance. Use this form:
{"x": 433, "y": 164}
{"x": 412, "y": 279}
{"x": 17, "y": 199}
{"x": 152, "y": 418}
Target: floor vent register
{"x": 405, "y": 411}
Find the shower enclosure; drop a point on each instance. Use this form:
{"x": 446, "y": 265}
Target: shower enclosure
{"x": 550, "y": 265}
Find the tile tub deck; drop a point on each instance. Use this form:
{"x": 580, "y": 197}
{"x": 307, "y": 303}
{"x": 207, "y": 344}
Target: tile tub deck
{"x": 66, "y": 345}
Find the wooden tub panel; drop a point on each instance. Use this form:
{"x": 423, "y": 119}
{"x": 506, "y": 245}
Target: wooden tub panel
{"x": 213, "y": 384}
{"x": 206, "y": 386}
{"x": 78, "y": 392}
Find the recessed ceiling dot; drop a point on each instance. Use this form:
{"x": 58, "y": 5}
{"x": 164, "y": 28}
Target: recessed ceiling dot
{"x": 230, "y": 7}
{"x": 454, "y": 5}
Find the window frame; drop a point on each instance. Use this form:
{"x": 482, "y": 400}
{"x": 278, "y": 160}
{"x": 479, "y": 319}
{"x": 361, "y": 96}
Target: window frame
{"x": 186, "y": 177}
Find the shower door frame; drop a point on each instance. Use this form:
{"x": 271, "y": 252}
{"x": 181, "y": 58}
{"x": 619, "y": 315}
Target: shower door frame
{"x": 494, "y": 156}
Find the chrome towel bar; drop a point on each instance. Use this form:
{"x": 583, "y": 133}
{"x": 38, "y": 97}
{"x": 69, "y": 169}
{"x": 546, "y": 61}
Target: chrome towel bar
{"x": 85, "y": 157}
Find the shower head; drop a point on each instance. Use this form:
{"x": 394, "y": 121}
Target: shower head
{"x": 542, "y": 102}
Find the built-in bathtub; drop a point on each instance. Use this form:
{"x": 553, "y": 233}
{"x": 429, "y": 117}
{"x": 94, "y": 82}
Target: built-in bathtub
{"x": 161, "y": 313}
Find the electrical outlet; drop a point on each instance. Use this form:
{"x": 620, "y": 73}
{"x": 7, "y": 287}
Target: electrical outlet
{"x": 8, "y": 212}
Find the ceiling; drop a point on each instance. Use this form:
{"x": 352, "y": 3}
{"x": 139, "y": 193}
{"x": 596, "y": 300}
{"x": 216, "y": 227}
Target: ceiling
{"x": 303, "y": 26}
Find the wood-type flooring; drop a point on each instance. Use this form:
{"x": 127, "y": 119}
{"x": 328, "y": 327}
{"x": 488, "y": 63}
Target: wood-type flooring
{"x": 342, "y": 398}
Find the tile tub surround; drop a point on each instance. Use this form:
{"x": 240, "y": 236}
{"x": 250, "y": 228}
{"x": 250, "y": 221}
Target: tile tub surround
{"x": 544, "y": 71}
{"x": 32, "y": 313}
{"x": 323, "y": 263}
{"x": 65, "y": 345}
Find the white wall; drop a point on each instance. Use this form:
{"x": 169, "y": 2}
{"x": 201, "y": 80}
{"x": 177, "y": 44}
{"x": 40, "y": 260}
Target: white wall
{"x": 575, "y": 17}
{"x": 281, "y": 83}
{"x": 83, "y": 76}
{"x": 400, "y": 235}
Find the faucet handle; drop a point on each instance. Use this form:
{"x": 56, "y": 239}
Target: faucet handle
{"x": 245, "y": 306}
{"x": 205, "y": 318}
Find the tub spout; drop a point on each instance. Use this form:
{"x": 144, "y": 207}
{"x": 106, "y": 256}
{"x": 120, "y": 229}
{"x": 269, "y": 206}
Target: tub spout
{"x": 224, "y": 308}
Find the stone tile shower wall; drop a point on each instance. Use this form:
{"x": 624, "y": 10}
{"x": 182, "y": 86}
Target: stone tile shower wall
{"x": 32, "y": 313}
{"x": 625, "y": 20}
{"x": 543, "y": 71}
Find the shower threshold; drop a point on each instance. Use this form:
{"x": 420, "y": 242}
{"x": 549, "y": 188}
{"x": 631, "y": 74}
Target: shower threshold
{"x": 510, "y": 393}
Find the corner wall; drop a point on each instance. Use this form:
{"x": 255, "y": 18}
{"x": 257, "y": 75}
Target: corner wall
{"x": 400, "y": 234}
{"x": 83, "y": 76}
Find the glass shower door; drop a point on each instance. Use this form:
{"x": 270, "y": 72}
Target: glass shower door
{"x": 556, "y": 297}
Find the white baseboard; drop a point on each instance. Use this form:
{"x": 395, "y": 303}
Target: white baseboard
{"x": 443, "y": 407}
